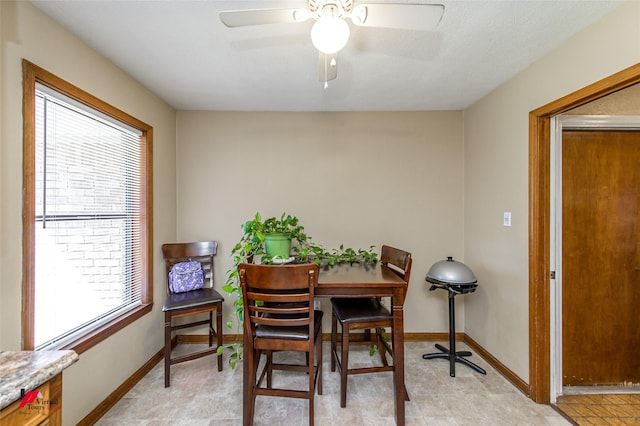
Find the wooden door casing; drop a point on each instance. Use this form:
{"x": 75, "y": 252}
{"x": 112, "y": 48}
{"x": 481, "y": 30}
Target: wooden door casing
{"x": 539, "y": 218}
{"x": 600, "y": 257}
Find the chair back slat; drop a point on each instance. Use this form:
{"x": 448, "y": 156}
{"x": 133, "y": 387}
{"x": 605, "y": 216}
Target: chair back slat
{"x": 278, "y": 295}
{"x": 280, "y": 311}
{"x": 280, "y": 298}
{"x": 280, "y": 322}
{"x": 280, "y": 277}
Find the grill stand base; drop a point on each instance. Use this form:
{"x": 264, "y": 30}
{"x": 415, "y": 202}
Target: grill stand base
{"x": 451, "y": 354}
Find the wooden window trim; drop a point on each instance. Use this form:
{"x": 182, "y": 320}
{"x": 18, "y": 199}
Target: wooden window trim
{"x": 31, "y": 75}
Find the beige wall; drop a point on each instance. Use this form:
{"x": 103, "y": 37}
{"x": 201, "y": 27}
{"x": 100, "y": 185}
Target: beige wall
{"x": 357, "y": 179}
{"x": 329, "y": 169}
{"x": 496, "y": 177}
{"x": 624, "y": 102}
{"x": 27, "y": 33}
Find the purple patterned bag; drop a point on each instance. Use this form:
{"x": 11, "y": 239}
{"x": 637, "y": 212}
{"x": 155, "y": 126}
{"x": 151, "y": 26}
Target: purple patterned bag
{"x": 186, "y": 276}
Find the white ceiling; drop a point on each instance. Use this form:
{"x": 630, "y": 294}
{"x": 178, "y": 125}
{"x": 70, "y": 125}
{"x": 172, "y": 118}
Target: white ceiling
{"x": 181, "y": 51}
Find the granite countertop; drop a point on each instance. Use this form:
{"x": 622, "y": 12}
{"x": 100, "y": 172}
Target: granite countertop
{"x": 28, "y": 370}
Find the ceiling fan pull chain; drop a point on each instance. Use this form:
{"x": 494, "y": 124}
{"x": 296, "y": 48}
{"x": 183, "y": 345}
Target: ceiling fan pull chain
{"x": 326, "y": 82}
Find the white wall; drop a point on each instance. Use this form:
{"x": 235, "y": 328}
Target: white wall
{"x": 496, "y": 177}
{"x": 357, "y": 179}
{"x": 28, "y": 33}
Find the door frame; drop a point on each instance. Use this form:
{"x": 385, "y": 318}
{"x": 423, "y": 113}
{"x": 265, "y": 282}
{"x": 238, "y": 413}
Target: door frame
{"x": 560, "y": 123}
{"x": 540, "y": 130}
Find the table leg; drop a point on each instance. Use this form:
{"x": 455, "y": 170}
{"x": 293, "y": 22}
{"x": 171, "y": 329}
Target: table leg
{"x": 246, "y": 420}
{"x": 398, "y": 357}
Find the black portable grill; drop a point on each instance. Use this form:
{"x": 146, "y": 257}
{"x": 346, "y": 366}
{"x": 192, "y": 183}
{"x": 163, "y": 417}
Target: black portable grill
{"x": 456, "y": 278}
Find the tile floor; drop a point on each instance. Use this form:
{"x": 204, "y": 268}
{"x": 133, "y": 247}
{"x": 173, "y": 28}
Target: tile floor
{"x": 601, "y": 409}
{"x": 199, "y": 395}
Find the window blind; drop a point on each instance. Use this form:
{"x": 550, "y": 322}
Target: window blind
{"x": 89, "y": 234}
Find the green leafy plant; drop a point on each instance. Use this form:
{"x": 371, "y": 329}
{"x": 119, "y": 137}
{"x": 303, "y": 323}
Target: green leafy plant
{"x": 252, "y": 246}
{"x": 373, "y": 348}
{"x": 332, "y": 257}
{"x": 287, "y": 225}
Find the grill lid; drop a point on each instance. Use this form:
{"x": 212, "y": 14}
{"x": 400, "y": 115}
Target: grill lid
{"x": 450, "y": 272}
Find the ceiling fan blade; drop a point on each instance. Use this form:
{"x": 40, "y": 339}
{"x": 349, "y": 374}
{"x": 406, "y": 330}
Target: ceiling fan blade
{"x": 327, "y": 66}
{"x": 242, "y": 18}
{"x": 408, "y": 16}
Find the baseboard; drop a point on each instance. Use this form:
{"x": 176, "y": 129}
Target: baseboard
{"x": 431, "y": 337}
{"x": 116, "y": 395}
{"x": 512, "y": 377}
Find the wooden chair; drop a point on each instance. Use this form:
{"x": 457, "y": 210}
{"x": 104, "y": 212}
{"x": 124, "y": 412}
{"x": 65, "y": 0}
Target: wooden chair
{"x": 279, "y": 316}
{"x": 365, "y": 314}
{"x": 206, "y": 300}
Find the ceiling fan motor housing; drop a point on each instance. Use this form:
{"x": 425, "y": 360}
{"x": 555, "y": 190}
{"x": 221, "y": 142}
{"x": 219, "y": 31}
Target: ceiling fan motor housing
{"x": 317, "y": 7}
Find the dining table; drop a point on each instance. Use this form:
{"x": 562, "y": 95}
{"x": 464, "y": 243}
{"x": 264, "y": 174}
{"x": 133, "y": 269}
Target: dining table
{"x": 364, "y": 279}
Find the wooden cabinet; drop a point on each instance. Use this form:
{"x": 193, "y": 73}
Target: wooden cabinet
{"x": 46, "y": 409}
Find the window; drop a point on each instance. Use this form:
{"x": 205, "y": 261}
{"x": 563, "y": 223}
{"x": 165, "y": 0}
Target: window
{"x": 87, "y": 227}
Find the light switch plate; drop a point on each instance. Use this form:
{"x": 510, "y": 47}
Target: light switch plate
{"x": 507, "y": 219}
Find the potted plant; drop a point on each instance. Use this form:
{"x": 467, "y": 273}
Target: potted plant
{"x": 279, "y": 233}
{"x": 253, "y": 246}
{"x": 269, "y": 238}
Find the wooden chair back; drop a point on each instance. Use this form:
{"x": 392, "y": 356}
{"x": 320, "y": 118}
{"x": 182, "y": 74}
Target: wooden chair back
{"x": 399, "y": 261}
{"x": 201, "y": 251}
{"x": 279, "y": 297}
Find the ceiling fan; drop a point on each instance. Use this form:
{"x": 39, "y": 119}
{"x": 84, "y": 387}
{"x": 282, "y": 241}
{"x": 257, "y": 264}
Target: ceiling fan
{"x": 330, "y": 32}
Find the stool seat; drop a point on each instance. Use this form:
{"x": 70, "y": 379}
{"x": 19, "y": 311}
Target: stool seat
{"x": 367, "y": 309}
{"x": 191, "y": 299}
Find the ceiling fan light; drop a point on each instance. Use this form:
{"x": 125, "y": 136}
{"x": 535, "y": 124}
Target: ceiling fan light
{"x": 330, "y": 34}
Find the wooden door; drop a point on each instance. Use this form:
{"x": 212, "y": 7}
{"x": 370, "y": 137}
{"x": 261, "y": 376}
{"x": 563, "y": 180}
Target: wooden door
{"x": 600, "y": 257}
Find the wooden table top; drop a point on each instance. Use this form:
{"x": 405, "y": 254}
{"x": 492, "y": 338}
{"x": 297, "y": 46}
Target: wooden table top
{"x": 361, "y": 280}
{"x": 359, "y": 274}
